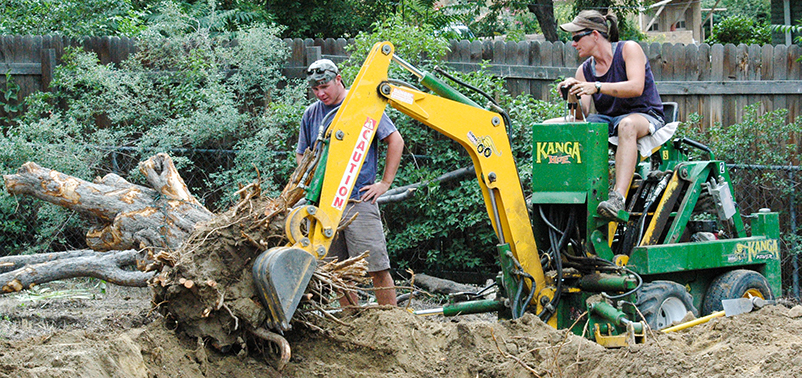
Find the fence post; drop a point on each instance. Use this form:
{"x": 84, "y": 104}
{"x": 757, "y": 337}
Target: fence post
{"x": 313, "y": 53}
{"x": 795, "y": 256}
{"x": 48, "y": 65}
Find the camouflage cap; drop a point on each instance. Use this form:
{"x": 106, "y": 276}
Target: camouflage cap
{"x": 321, "y": 72}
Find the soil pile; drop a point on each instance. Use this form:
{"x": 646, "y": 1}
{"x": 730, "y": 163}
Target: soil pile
{"x": 112, "y": 332}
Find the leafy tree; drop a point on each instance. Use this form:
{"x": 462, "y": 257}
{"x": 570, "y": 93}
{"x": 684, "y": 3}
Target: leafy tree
{"x": 512, "y": 18}
{"x": 69, "y": 17}
{"x": 740, "y": 29}
{"x": 544, "y": 11}
{"x": 327, "y": 18}
{"x": 77, "y": 18}
{"x": 214, "y": 16}
{"x": 758, "y": 11}
{"x": 184, "y": 88}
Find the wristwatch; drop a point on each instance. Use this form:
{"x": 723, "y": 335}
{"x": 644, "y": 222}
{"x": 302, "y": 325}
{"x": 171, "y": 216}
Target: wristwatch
{"x": 598, "y": 87}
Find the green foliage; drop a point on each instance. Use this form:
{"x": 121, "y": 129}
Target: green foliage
{"x": 758, "y": 10}
{"x": 184, "y": 88}
{"x": 764, "y": 139}
{"x": 796, "y": 29}
{"x": 504, "y": 17}
{"x": 9, "y": 100}
{"x": 69, "y": 17}
{"x": 760, "y": 138}
{"x": 51, "y": 143}
{"x": 213, "y": 16}
{"x": 414, "y": 43}
{"x": 327, "y": 19}
{"x": 77, "y": 18}
{"x": 740, "y": 29}
{"x": 427, "y": 12}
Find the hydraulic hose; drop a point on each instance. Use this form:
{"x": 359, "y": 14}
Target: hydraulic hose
{"x": 496, "y": 106}
{"x": 557, "y": 247}
{"x": 326, "y": 122}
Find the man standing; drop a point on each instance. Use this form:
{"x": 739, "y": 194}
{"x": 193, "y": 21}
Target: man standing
{"x": 365, "y": 233}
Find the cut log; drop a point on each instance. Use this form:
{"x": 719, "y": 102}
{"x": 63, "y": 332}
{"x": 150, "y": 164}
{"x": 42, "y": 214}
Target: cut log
{"x": 441, "y": 286}
{"x": 128, "y": 215}
{"x": 108, "y": 266}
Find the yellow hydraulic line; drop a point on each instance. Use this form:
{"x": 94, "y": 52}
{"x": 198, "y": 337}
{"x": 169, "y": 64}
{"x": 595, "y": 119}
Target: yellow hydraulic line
{"x": 694, "y": 322}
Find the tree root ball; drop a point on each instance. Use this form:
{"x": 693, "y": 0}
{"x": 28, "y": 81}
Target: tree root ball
{"x": 208, "y": 287}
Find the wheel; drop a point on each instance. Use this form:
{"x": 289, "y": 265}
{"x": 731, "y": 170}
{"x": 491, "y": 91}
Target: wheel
{"x": 739, "y": 283}
{"x": 663, "y": 303}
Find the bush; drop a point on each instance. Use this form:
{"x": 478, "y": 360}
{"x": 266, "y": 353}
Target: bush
{"x": 70, "y": 18}
{"x": 740, "y": 30}
{"x": 185, "y": 88}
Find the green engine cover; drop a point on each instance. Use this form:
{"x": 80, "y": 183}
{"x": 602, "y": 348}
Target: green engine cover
{"x": 568, "y": 162}
{"x": 570, "y": 166}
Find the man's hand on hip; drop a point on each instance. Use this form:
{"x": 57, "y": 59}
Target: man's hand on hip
{"x": 374, "y": 191}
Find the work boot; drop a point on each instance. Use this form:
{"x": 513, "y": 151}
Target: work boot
{"x": 609, "y": 209}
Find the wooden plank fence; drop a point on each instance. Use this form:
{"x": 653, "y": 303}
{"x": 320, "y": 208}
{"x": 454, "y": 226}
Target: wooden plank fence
{"x": 716, "y": 81}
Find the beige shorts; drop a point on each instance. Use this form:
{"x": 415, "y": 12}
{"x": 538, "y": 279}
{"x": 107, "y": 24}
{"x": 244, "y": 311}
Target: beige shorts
{"x": 365, "y": 233}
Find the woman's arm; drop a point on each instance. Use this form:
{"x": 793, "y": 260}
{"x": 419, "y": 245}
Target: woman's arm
{"x": 635, "y": 61}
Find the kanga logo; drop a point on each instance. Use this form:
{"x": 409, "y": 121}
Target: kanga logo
{"x": 558, "y": 152}
{"x": 484, "y": 145}
{"x": 755, "y": 250}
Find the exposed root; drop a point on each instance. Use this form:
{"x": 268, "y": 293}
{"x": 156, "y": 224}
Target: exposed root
{"x": 507, "y": 355}
{"x": 278, "y": 340}
{"x": 337, "y": 277}
{"x": 565, "y": 340}
{"x": 236, "y": 319}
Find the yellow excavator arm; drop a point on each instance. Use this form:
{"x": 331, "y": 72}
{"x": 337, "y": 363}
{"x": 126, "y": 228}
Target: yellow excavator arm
{"x": 481, "y": 132}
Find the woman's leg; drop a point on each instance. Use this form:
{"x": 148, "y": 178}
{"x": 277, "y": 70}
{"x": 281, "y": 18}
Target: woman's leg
{"x": 630, "y": 129}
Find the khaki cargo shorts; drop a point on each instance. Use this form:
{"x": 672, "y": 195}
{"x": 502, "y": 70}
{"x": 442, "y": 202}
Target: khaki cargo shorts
{"x": 365, "y": 233}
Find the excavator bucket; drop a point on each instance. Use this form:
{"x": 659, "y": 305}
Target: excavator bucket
{"x": 281, "y": 275}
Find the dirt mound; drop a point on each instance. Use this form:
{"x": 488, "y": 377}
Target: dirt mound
{"x": 395, "y": 343}
{"x": 112, "y": 332}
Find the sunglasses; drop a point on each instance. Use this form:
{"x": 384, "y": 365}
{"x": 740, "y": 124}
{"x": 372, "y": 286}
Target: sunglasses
{"x": 318, "y": 71}
{"x": 579, "y": 36}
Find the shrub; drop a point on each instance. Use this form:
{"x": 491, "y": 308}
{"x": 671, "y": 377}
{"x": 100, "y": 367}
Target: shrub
{"x": 740, "y": 29}
{"x": 185, "y": 88}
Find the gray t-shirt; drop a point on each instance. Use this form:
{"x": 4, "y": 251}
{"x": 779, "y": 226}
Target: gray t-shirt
{"x": 310, "y": 127}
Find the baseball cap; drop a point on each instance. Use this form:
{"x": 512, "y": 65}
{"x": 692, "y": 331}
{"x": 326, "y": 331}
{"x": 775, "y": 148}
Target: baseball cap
{"x": 321, "y": 72}
{"x": 587, "y": 20}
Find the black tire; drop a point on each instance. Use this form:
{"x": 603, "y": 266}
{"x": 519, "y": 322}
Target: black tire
{"x": 663, "y": 303}
{"x": 739, "y": 283}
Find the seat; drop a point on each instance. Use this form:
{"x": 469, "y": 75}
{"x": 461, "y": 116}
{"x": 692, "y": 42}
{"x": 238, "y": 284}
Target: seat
{"x": 651, "y": 143}
{"x": 670, "y": 111}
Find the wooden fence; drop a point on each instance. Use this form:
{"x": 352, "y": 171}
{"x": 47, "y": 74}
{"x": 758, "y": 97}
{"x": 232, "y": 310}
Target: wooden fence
{"x": 716, "y": 81}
